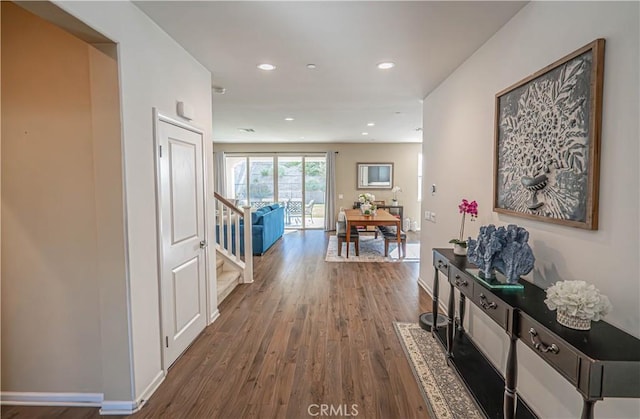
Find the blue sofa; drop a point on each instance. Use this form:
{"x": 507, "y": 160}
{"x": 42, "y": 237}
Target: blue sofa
{"x": 267, "y": 226}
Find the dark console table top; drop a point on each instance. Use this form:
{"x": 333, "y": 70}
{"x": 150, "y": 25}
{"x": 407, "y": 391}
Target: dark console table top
{"x": 603, "y": 342}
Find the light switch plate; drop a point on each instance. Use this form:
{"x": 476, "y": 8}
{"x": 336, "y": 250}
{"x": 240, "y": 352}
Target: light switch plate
{"x": 340, "y": 196}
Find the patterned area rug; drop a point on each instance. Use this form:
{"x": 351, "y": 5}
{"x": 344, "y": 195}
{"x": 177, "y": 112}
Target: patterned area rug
{"x": 445, "y": 395}
{"x": 371, "y": 250}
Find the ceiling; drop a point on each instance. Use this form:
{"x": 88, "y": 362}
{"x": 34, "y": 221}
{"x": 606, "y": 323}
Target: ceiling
{"x": 345, "y": 40}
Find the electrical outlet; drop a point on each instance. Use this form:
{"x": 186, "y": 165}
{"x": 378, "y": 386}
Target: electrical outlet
{"x": 340, "y": 196}
{"x": 427, "y": 215}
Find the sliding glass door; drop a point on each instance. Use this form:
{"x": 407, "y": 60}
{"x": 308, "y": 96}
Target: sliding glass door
{"x": 297, "y": 182}
{"x": 315, "y": 170}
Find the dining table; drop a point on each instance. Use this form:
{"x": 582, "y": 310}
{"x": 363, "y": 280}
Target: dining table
{"x": 355, "y": 217}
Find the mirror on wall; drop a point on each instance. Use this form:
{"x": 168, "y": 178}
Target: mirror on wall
{"x": 375, "y": 175}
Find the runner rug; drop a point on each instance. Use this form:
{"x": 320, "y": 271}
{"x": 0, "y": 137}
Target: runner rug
{"x": 445, "y": 395}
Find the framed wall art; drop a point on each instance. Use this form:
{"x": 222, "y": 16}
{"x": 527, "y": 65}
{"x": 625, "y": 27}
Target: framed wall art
{"x": 374, "y": 175}
{"x": 547, "y": 142}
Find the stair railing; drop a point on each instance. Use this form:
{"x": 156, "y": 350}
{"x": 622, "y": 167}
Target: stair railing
{"x": 228, "y": 235}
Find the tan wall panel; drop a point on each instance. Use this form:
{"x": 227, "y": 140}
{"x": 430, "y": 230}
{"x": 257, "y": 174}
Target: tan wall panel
{"x": 50, "y": 310}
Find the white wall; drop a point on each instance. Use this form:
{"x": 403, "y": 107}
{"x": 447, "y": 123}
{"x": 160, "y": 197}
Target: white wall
{"x": 154, "y": 72}
{"x": 458, "y": 150}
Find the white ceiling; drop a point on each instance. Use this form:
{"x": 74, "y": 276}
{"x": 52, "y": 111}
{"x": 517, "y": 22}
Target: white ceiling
{"x": 346, "y": 40}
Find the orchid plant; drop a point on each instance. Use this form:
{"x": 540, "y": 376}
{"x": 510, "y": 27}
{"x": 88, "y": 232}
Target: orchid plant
{"x": 395, "y": 191}
{"x": 465, "y": 208}
{"x": 578, "y": 299}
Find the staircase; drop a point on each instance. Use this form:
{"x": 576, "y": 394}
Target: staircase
{"x": 227, "y": 277}
{"x": 232, "y": 268}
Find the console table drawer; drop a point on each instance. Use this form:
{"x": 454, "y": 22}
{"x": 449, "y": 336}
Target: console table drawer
{"x": 490, "y": 304}
{"x": 549, "y": 347}
{"x": 441, "y": 263}
{"x": 461, "y": 281}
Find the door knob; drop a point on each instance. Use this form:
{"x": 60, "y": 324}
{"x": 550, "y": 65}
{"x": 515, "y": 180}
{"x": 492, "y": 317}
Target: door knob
{"x": 203, "y": 244}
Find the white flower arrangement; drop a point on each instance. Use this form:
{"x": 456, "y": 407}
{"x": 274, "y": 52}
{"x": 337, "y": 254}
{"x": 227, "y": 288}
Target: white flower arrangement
{"x": 578, "y": 299}
{"x": 395, "y": 191}
{"x": 366, "y": 198}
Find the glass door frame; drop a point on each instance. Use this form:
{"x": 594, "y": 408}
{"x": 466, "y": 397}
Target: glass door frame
{"x": 276, "y": 191}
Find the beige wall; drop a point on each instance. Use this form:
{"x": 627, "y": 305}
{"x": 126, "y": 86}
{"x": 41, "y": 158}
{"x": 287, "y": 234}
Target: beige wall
{"x": 50, "y": 298}
{"x": 404, "y": 156}
{"x": 459, "y": 129}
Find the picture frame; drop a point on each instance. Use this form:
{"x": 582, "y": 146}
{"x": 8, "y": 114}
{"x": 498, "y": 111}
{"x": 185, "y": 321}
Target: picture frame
{"x": 374, "y": 175}
{"x": 547, "y": 142}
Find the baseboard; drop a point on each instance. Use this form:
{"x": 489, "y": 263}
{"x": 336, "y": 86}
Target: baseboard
{"x": 425, "y": 286}
{"x": 126, "y": 407}
{"x": 119, "y": 407}
{"x": 214, "y": 316}
{"x": 17, "y": 398}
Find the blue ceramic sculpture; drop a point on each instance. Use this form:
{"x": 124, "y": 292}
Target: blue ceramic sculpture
{"x": 502, "y": 249}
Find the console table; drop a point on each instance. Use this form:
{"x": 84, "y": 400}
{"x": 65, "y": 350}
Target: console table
{"x": 601, "y": 362}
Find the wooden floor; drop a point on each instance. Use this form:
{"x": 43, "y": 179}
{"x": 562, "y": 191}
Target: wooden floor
{"x": 305, "y": 333}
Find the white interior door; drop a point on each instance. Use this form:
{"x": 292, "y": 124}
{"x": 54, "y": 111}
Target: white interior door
{"x": 183, "y": 277}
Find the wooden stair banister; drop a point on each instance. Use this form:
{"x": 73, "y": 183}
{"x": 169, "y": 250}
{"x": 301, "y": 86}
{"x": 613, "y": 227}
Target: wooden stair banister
{"x": 228, "y": 218}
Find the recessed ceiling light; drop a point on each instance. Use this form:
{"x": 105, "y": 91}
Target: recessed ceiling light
{"x": 289, "y": 118}
{"x": 371, "y": 124}
{"x": 302, "y": 138}
{"x": 266, "y": 67}
{"x": 246, "y": 129}
{"x": 386, "y": 65}
{"x": 365, "y": 133}
{"x": 311, "y": 66}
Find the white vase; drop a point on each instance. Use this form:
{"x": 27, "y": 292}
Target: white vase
{"x": 573, "y": 322}
{"x": 394, "y": 202}
{"x": 365, "y": 207}
{"x": 459, "y": 250}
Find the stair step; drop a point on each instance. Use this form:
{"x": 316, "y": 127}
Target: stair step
{"x": 226, "y": 282}
{"x": 219, "y": 265}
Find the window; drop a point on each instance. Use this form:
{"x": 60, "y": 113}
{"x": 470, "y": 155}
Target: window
{"x": 296, "y": 181}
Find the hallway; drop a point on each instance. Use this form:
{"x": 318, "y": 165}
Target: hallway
{"x": 305, "y": 333}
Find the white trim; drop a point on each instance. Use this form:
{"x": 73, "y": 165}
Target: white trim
{"x": 125, "y": 407}
{"x": 214, "y": 316}
{"x": 18, "y": 398}
{"x": 151, "y": 388}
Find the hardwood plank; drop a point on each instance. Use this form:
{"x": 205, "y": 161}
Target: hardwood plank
{"x": 305, "y": 332}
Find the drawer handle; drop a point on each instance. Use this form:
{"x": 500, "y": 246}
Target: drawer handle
{"x": 541, "y": 346}
{"x": 485, "y": 304}
{"x": 442, "y": 265}
{"x": 459, "y": 283}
